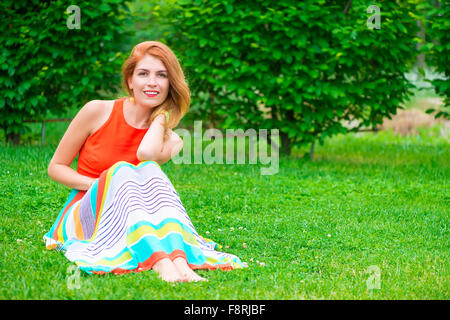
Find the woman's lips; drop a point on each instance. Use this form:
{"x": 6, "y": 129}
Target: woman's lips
{"x": 151, "y": 94}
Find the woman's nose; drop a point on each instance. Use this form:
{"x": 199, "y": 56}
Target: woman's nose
{"x": 152, "y": 80}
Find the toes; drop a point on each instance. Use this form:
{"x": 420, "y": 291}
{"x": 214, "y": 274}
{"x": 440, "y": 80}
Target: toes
{"x": 191, "y": 277}
{"x": 184, "y": 277}
{"x": 195, "y": 277}
{"x": 202, "y": 279}
{"x": 168, "y": 278}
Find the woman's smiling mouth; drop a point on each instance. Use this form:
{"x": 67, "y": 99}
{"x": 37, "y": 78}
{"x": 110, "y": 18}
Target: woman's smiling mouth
{"x": 151, "y": 93}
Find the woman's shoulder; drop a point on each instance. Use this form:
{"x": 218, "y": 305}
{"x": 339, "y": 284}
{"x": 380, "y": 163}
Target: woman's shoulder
{"x": 98, "y": 112}
{"x": 98, "y": 105}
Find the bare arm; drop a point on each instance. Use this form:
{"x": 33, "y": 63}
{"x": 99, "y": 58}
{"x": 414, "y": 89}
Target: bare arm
{"x": 154, "y": 147}
{"x": 76, "y": 134}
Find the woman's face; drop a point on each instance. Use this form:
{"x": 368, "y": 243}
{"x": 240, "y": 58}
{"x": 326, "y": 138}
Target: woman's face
{"x": 150, "y": 75}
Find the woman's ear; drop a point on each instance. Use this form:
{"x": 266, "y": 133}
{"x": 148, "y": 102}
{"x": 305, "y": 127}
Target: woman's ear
{"x": 129, "y": 84}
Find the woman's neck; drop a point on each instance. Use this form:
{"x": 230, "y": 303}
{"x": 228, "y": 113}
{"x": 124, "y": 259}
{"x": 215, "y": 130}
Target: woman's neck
{"x": 136, "y": 115}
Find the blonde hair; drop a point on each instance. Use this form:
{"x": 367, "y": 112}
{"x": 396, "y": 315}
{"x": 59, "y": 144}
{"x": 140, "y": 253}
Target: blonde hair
{"x": 178, "y": 100}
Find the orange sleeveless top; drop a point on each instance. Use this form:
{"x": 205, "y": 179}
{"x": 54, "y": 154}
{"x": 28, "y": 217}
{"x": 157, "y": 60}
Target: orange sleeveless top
{"x": 115, "y": 140}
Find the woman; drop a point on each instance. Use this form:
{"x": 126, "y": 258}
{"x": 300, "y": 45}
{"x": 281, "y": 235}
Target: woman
{"x": 123, "y": 213}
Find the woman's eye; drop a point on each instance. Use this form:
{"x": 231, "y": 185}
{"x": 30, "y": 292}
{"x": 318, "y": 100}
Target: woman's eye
{"x": 145, "y": 74}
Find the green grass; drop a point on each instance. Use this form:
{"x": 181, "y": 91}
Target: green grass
{"x": 366, "y": 200}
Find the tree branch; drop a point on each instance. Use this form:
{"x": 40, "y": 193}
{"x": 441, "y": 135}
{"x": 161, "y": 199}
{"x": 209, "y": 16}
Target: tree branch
{"x": 347, "y": 7}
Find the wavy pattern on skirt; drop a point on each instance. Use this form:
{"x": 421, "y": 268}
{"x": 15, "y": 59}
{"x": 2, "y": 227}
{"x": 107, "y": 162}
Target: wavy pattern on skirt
{"x": 129, "y": 219}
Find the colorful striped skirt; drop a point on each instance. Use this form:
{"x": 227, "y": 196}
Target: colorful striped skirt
{"x": 130, "y": 218}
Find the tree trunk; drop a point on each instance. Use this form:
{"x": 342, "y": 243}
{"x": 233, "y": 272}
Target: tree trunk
{"x": 285, "y": 143}
{"x": 13, "y": 137}
{"x": 311, "y": 151}
{"x": 285, "y": 140}
{"x": 421, "y": 57}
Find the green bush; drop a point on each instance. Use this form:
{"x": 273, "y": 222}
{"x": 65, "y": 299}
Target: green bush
{"x": 299, "y": 66}
{"x": 437, "y": 48}
{"x": 49, "y": 66}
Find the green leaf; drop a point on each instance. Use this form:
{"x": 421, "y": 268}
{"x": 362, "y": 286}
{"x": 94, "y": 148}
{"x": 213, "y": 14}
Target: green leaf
{"x": 276, "y": 54}
{"x": 229, "y": 8}
{"x": 314, "y": 74}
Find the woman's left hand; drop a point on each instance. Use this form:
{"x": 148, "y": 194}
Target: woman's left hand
{"x": 172, "y": 146}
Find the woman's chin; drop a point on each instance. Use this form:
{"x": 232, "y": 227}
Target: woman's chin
{"x": 147, "y": 103}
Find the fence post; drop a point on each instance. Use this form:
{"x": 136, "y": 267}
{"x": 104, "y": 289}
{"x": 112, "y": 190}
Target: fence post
{"x": 311, "y": 151}
{"x": 43, "y": 133}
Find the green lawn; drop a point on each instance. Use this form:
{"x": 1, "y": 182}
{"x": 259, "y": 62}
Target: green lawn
{"x": 318, "y": 226}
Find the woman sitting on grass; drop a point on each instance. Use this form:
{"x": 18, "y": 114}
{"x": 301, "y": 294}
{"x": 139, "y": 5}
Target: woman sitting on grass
{"x": 123, "y": 213}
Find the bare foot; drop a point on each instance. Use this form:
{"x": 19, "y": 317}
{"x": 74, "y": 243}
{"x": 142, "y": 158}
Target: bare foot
{"x": 167, "y": 270}
{"x": 185, "y": 272}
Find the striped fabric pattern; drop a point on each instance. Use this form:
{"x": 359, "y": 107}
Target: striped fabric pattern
{"x": 129, "y": 219}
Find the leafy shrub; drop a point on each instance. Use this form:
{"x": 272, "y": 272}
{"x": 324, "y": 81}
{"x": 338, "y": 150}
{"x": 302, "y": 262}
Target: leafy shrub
{"x": 437, "y": 48}
{"x": 48, "y": 66}
{"x": 300, "y": 66}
